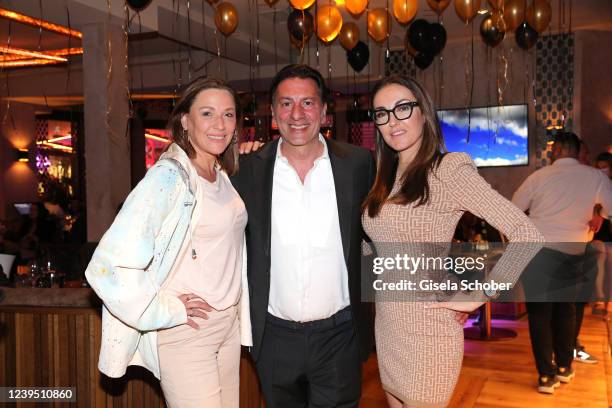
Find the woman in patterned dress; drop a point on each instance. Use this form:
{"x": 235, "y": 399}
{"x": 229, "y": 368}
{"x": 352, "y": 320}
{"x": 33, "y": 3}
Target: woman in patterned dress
{"x": 418, "y": 197}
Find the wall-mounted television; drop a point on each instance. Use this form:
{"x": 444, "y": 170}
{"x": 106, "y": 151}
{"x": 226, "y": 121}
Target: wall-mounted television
{"x": 498, "y": 134}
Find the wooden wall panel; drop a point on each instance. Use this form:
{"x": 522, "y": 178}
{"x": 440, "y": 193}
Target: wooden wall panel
{"x": 47, "y": 347}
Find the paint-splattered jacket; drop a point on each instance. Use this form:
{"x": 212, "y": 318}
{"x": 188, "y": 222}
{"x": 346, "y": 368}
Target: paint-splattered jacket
{"x": 134, "y": 259}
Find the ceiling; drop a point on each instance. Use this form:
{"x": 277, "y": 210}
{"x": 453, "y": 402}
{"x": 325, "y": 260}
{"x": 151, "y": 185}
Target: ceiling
{"x": 162, "y": 31}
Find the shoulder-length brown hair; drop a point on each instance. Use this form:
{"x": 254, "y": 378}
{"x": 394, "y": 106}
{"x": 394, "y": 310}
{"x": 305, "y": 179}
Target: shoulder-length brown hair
{"x": 229, "y": 158}
{"x": 415, "y": 187}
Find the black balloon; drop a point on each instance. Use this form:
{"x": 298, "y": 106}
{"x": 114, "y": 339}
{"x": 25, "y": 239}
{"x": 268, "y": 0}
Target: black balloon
{"x": 358, "y": 57}
{"x": 419, "y": 35}
{"x": 438, "y": 37}
{"x": 526, "y": 36}
{"x": 490, "y": 32}
{"x": 423, "y": 60}
{"x": 138, "y": 5}
{"x": 300, "y": 25}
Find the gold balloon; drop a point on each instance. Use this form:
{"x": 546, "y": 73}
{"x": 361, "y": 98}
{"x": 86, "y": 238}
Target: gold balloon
{"x": 514, "y": 13}
{"x": 378, "y": 24}
{"x": 467, "y": 9}
{"x": 497, "y": 18}
{"x": 349, "y": 35}
{"x": 405, "y": 10}
{"x": 438, "y": 5}
{"x": 301, "y": 4}
{"x": 329, "y": 23}
{"x": 539, "y": 14}
{"x": 226, "y": 18}
{"x": 356, "y": 7}
{"x": 497, "y": 4}
{"x": 271, "y": 3}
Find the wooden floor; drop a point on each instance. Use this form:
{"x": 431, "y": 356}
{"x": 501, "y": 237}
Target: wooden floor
{"x": 502, "y": 373}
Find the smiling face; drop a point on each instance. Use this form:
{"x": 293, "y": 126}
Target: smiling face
{"x": 211, "y": 122}
{"x": 298, "y": 111}
{"x": 403, "y": 136}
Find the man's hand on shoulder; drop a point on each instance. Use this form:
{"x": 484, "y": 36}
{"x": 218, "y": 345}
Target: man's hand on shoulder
{"x": 249, "y": 147}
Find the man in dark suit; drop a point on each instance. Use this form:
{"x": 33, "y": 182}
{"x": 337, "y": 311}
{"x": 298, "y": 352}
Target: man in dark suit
{"x": 303, "y": 194}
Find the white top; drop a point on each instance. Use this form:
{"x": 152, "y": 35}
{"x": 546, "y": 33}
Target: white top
{"x": 217, "y": 234}
{"x": 560, "y": 199}
{"x": 308, "y": 274}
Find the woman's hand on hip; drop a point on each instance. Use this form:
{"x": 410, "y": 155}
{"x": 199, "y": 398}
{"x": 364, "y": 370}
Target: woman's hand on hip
{"x": 457, "y": 306}
{"x": 195, "y": 307}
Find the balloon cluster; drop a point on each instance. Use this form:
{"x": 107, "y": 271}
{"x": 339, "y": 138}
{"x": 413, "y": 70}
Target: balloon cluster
{"x": 512, "y": 15}
{"x": 425, "y": 40}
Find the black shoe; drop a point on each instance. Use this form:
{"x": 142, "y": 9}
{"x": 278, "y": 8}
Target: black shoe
{"x": 565, "y": 374}
{"x": 583, "y": 357}
{"x": 547, "y": 385}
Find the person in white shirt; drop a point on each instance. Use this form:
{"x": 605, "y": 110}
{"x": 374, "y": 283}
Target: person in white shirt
{"x": 303, "y": 195}
{"x": 560, "y": 200}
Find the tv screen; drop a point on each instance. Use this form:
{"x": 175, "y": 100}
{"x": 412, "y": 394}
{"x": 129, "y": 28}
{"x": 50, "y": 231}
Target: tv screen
{"x": 498, "y": 134}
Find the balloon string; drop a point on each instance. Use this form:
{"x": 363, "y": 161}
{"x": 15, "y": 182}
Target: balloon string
{"x": 126, "y": 67}
{"x": 304, "y": 38}
{"x": 109, "y": 74}
{"x": 225, "y": 53}
{"x": 274, "y": 34}
{"x": 329, "y": 65}
{"x": 189, "y": 67}
{"x": 216, "y": 32}
{"x": 251, "y": 63}
{"x": 204, "y": 37}
{"x": 469, "y": 130}
{"x": 387, "y": 52}
{"x": 316, "y": 41}
{"x": 257, "y": 55}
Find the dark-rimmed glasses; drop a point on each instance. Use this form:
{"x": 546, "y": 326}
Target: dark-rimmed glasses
{"x": 401, "y": 111}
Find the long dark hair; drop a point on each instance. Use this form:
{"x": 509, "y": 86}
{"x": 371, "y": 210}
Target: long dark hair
{"x": 229, "y": 158}
{"x": 415, "y": 187}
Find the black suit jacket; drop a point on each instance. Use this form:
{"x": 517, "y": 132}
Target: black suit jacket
{"x": 353, "y": 169}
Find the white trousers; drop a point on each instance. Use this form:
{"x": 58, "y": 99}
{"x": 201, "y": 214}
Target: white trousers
{"x": 201, "y": 368}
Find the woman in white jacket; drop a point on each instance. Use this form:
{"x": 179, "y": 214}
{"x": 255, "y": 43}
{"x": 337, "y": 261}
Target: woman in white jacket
{"x": 171, "y": 268}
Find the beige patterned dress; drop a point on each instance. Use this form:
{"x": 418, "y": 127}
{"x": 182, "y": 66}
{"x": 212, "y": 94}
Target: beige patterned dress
{"x": 420, "y": 350}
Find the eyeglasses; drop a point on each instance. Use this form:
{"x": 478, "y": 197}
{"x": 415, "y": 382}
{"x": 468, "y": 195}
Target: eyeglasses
{"x": 402, "y": 111}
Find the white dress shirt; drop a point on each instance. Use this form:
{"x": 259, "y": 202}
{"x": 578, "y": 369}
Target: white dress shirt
{"x": 308, "y": 274}
{"x": 560, "y": 199}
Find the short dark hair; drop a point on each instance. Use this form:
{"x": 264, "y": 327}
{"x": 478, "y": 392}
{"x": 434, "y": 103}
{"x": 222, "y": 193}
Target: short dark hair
{"x": 229, "y": 158}
{"x": 569, "y": 140}
{"x": 298, "y": 71}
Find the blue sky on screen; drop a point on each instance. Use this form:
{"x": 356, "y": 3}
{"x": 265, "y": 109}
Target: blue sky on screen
{"x": 498, "y": 134}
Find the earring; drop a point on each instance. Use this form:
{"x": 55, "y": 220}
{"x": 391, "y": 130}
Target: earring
{"x": 235, "y": 138}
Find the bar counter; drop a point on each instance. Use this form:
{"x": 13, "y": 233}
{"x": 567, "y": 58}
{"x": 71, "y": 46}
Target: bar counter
{"x": 51, "y": 338}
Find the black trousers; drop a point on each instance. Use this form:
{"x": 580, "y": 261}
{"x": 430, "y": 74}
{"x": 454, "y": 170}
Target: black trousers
{"x": 552, "y": 330}
{"x": 552, "y": 324}
{"x": 314, "y": 365}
